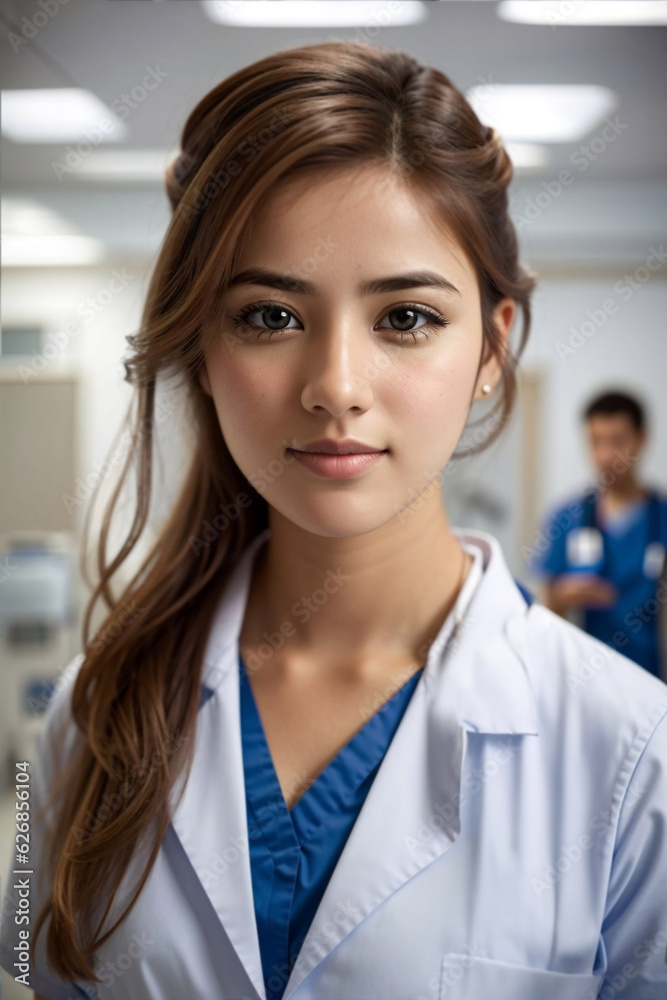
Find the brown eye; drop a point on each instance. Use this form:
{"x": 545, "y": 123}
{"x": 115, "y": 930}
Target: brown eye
{"x": 273, "y": 315}
{"x": 406, "y": 316}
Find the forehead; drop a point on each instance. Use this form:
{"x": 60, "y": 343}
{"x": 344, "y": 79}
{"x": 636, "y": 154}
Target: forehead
{"x": 371, "y": 216}
{"x": 610, "y": 423}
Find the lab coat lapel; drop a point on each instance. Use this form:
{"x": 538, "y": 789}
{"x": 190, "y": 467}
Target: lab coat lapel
{"x": 481, "y": 685}
{"x": 384, "y": 848}
{"x": 210, "y": 820}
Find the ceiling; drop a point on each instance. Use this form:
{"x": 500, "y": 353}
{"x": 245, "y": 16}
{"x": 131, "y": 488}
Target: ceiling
{"x": 616, "y": 205}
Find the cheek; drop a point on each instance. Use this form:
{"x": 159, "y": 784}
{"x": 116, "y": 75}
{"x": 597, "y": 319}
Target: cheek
{"x": 429, "y": 400}
{"x": 242, "y": 398}
{"x": 249, "y": 398}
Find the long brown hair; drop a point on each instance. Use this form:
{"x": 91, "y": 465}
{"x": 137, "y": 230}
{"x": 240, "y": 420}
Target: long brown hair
{"x": 136, "y": 695}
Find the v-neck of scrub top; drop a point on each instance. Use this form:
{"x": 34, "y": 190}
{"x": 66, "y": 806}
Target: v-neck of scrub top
{"x": 294, "y": 852}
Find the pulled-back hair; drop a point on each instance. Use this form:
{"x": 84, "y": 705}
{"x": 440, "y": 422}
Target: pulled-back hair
{"x": 136, "y": 695}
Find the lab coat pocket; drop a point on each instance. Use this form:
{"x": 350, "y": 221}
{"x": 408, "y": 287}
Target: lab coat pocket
{"x": 468, "y": 977}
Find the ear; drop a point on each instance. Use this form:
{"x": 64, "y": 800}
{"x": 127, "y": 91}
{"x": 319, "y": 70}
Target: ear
{"x": 202, "y": 376}
{"x": 491, "y": 369}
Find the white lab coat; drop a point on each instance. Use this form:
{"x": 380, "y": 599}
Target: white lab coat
{"x": 512, "y": 845}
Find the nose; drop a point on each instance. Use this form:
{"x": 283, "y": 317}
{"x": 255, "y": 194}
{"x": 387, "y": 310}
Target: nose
{"x": 341, "y": 365}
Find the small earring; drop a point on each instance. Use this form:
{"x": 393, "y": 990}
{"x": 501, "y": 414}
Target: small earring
{"x": 486, "y": 388}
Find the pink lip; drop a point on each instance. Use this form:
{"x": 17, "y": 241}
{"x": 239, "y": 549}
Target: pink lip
{"x": 346, "y": 446}
{"x": 337, "y": 466}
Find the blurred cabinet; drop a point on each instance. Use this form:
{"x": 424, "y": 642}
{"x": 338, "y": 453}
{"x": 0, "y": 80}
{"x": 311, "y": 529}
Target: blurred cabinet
{"x": 39, "y": 579}
{"x": 38, "y": 446}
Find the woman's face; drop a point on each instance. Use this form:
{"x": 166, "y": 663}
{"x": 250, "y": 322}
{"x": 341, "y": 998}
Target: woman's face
{"x": 367, "y": 327}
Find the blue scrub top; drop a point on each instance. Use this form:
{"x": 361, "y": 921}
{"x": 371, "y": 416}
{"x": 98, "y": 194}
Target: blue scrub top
{"x": 631, "y": 624}
{"x": 293, "y": 852}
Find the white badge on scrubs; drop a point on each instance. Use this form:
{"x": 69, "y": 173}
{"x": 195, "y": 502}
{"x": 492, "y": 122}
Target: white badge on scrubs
{"x": 654, "y": 560}
{"x": 584, "y": 546}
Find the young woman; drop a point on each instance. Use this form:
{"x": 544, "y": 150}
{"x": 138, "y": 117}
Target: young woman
{"x": 322, "y": 747}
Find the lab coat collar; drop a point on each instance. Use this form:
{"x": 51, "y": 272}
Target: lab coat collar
{"x": 488, "y": 676}
{"x": 477, "y": 683}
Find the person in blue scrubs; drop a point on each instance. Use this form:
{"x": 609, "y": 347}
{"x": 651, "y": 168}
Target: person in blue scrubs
{"x": 603, "y": 551}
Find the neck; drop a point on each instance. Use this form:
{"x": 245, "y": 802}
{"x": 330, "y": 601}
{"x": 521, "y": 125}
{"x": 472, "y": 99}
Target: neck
{"x": 348, "y": 601}
{"x": 624, "y": 490}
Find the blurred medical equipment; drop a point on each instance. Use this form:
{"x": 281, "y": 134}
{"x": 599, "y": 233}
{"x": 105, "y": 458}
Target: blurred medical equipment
{"x": 38, "y": 613}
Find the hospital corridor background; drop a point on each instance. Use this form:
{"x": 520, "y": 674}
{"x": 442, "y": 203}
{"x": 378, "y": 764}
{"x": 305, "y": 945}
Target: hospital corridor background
{"x": 581, "y": 106}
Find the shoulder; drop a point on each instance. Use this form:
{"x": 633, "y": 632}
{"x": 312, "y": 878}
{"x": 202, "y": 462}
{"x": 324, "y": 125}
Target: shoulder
{"x": 559, "y": 517}
{"x": 658, "y": 491}
{"x": 659, "y": 494}
{"x": 587, "y": 689}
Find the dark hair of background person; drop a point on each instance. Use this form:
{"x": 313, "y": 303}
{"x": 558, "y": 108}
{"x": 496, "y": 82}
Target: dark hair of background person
{"x": 136, "y": 697}
{"x": 611, "y": 403}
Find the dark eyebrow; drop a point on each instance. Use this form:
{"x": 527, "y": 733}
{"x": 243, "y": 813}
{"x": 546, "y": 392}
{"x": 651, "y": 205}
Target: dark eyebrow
{"x": 396, "y": 283}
